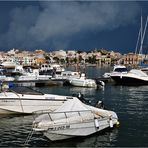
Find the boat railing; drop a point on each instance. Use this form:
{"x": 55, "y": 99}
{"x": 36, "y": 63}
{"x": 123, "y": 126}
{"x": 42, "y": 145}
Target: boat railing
{"x": 40, "y": 112}
{"x": 62, "y": 120}
{"x": 68, "y": 116}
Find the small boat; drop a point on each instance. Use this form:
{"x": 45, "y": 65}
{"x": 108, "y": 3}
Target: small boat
{"x": 73, "y": 119}
{"x": 8, "y": 64}
{"x": 83, "y": 82}
{"x": 65, "y": 75}
{"x": 3, "y": 77}
{"x": 116, "y": 69}
{"x": 24, "y": 100}
{"x": 51, "y": 68}
{"x": 133, "y": 77}
{"x": 28, "y": 74}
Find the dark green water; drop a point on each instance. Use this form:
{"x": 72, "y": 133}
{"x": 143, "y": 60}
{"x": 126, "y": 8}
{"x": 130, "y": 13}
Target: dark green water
{"x": 130, "y": 103}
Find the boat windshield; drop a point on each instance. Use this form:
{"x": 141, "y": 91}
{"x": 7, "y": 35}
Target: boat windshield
{"x": 25, "y": 90}
{"x": 121, "y": 70}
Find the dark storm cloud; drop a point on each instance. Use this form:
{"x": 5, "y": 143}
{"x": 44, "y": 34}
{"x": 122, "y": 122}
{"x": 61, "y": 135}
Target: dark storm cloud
{"x": 53, "y": 24}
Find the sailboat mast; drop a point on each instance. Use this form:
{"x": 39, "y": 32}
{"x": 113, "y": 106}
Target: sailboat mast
{"x": 144, "y": 30}
{"x": 137, "y": 44}
{"x": 141, "y": 35}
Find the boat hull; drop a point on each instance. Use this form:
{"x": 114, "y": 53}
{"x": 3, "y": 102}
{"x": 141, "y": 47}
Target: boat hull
{"x": 8, "y": 112}
{"x": 27, "y": 106}
{"x": 77, "y": 129}
{"x": 129, "y": 80}
{"x": 81, "y": 83}
{"x": 11, "y": 103}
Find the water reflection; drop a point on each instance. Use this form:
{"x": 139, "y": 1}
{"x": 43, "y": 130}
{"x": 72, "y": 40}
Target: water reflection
{"x": 82, "y": 90}
{"x": 136, "y": 98}
{"x": 139, "y": 92}
{"x": 105, "y": 138}
{"x": 100, "y": 139}
{"x": 13, "y": 130}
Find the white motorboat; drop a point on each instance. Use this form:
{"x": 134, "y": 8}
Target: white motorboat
{"x": 133, "y": 77}
{"x": 116, "y": 69}
{"x": 53, "y": 67}
{"x": 3, "y": 77}
{"x": 136, "y": 76}
{"x": 30, "y": 75}
{"x": 83, "y": 82}
{"x": 9, "y": 64}
{"x": 65, "y": 75}
{"x": 6, "y": 78}
{"x": 23, "y": 100}
{"x": 72, "y": 119}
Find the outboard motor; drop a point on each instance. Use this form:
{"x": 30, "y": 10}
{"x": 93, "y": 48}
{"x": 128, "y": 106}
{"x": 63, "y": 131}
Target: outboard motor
{"x": 101, "y": 83}
{"x": 81, "y": 98}
{"x": 100, "y": 104}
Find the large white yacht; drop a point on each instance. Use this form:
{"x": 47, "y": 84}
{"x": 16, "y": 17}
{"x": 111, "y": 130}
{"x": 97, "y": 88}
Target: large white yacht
{"x": 116, "y": 69}
{"x": 133, "y": 77}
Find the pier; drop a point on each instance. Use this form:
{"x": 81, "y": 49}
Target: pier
{"x": 38, "y": 83}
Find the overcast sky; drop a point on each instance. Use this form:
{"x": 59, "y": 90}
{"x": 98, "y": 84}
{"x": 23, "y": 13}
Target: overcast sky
{"x": 77, "y": 25}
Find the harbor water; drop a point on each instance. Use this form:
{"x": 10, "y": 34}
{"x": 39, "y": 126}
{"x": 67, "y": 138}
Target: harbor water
{"x": 129, "y": 102}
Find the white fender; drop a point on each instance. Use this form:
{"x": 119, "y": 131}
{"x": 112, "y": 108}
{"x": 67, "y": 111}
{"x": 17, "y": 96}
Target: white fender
{"x": 111, "y": 123}
{"x": 96, "y": 123}
{"x": 121, "y": 76}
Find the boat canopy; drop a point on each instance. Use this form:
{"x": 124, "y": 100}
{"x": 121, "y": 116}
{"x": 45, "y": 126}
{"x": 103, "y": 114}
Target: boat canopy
{"x": 124, "y": 69}
{"x": 25, "y": 90}
{"x": 71, "y": 111}
{"x": 138, "y": 72}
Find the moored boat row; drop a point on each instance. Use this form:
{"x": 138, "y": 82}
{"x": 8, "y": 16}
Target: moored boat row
{"x": 59, "y": 117}
{"x": 47, "y": 75}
